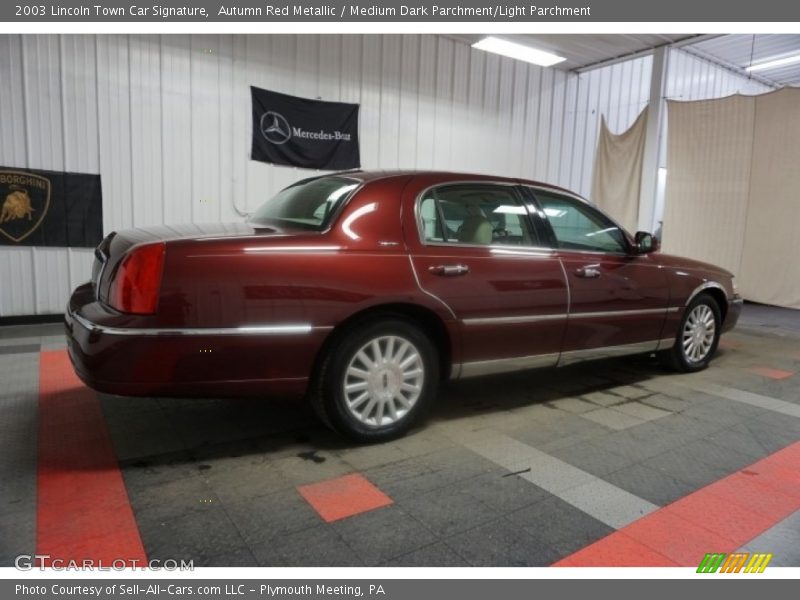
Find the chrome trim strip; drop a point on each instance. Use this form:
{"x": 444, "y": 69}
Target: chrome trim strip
{"x": 581, "y": 315}
{"x": 291, "y": 329}
{"x": 665, "y": 343}
{"x": 705, "y": 286}
{"x": 506, "y": 365}
{"x": 512, "y": 320}
{"x": 522, "y": 363}
{"x": 623, "y": 313}
{"x": 574, "y": 356}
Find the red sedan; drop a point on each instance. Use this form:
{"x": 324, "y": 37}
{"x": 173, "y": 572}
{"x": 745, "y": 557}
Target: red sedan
{"x": 362, "y": 290}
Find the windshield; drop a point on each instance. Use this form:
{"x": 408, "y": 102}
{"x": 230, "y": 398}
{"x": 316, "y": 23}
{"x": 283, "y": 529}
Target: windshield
{"x": 309, "y": 204}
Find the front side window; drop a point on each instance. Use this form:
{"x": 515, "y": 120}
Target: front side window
{"x": 308, "y": 204}
{"x": 475, "y": 214}
{"x": 578, "y": 226}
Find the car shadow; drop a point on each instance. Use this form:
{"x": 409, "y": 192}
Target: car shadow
{"x": 148, "y": 432}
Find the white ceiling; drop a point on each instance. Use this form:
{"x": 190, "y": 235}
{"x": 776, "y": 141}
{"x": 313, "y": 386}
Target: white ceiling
{"x": 585, "y": 50}
{"x": 741, "y": 51}
{"x": 736, "y": 52}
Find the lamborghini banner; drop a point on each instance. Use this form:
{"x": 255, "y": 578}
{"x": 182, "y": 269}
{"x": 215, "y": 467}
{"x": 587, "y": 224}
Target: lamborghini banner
{"x": 298, "y": 132}
{"x": 50, "y": 208}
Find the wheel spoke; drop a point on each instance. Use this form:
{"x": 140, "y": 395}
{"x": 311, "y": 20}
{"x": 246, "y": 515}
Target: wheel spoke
{"x": 390, "y": 347}
{"x": 379, "y": 415}
{"x": 356, "y": 387}
{"x": 401, "y": 352}
{"x": 402, "y": 399}
{"x": 364, "y": 359}
{"x": 359, "y": 400}
{"x": 357, "y": 373}
{"x": 377, "y": 355}
{"x": 392, "y": 409}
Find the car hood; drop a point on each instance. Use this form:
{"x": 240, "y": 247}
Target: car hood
{"x": 670, "y": 260}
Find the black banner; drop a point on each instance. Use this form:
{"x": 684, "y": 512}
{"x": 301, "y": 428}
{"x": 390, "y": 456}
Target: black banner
{"x": 298, "y": 132}
{"x": 50, "y": 208}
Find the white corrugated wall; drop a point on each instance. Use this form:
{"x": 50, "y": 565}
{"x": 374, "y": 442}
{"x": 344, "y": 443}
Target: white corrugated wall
{"x": 165, "y": 120}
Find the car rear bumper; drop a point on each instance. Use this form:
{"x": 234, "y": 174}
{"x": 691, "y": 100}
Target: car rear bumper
{"x": 137, "y": 361}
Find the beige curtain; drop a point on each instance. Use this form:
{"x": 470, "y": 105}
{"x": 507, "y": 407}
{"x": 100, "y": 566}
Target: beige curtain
{"x": 732, "y": 199}
{"x": 770, "y": 270}
{"x": 617, "y": 176}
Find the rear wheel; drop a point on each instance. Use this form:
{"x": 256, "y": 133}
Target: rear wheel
{"x": 697, "y": 338}
{"x": 377, "y": 379}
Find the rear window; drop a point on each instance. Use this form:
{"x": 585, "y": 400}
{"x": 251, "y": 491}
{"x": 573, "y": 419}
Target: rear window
{"x": 308, "y": 204}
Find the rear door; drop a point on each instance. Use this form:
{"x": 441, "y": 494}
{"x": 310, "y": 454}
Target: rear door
{"x": 474, "y": 247}
{"x": 618, "y": 299}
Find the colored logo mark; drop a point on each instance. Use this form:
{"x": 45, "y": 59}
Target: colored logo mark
{"x": 734, "y": 563}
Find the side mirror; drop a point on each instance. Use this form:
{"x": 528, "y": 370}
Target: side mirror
{"x": 645, "y": 242}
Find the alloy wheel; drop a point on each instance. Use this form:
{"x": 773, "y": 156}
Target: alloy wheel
{"x": 698, "y": 333}
{"x": 383, "y": 380}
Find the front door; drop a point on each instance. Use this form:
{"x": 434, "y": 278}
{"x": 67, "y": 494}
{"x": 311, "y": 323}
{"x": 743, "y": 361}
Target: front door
{"x": 618, "y": 299}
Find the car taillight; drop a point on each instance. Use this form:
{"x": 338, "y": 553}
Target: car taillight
{"x": 137, "y": 281}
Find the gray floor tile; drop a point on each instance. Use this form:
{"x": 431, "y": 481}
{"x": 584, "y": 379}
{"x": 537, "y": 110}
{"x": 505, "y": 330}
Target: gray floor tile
{"x": 381, "y": 535}
{"x": 318, "y": 546}
{"x": 685, "y": 467}
{"x": 612, "y": 418}
{"x": 448, "y": 510}
{"x": 554, "y": 522}
{"x": 501, "y": 543}
{"x": 266, "y": 517}
{"x": 435, "y": 555}
{"x": 592, "y": 458}
{"x": 503, "y": 491}
{"x": 652, "y": 485}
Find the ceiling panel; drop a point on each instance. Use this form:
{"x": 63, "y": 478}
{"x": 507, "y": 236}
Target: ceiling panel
{"x": 583, "y": 50}
{"x": 743, "y": 50}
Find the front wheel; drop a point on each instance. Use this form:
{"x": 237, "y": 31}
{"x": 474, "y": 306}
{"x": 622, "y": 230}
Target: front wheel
{"x": 377, "y": 380}
{"x": 697, "y": 338}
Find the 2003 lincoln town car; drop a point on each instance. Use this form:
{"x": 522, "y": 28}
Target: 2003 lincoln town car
{"x": 362, "y": 290}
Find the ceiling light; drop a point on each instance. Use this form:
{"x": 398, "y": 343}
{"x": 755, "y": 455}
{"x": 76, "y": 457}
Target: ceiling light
{"x": 773, "y": 63}
{"x": 518, "y": 51}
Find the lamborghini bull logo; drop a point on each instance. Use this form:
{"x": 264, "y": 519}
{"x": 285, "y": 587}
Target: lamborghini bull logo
{"x": 17, "y": 205}
{"x": 26, "y": 201}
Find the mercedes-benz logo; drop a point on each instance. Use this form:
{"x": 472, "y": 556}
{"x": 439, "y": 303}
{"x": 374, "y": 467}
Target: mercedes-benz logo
{"x": 275, "y": 128}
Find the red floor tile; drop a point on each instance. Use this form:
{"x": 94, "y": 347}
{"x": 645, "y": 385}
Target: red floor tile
{"x": 719, "y": 517}
{"x": 82, "y": 504}
{"x": 342, "y": 497}
{"x": 771, "y": 373}
{"x": 616, "y": 551}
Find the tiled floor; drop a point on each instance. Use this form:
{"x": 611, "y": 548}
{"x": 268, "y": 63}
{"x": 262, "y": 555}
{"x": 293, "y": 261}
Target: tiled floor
{"x": 523, "y": 469}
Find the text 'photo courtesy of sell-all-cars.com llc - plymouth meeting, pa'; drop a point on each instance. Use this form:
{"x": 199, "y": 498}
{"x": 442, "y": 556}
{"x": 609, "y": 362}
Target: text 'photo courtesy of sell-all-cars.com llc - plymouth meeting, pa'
{"x": 362, "y": 291}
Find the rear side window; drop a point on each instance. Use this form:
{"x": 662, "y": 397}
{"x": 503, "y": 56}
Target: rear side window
{"x": 578, "y": 226}
{"x": 308, "y": 204}
{"x": 475, "y": 214}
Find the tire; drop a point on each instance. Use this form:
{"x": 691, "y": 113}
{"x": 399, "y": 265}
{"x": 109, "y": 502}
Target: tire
{"x": 696, "y": 341}
{"x": 391, "y": 370}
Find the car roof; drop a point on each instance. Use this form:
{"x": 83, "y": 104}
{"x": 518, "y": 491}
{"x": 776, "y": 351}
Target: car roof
{"x": 376, "y": 174}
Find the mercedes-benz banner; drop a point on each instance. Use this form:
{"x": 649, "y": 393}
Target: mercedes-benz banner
{"x": 300, "y": 132}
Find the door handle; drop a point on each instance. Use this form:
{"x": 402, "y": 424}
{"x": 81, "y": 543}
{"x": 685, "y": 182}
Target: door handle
{"x": 449, "y": 270}
{"x": 587, "y": 272}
